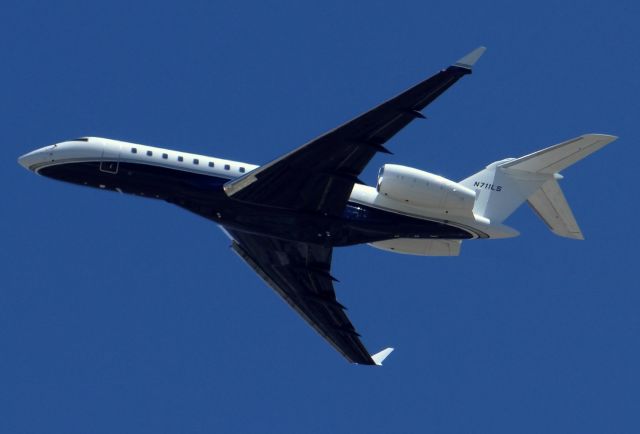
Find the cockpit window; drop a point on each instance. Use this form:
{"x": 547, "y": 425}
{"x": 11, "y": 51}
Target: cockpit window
{"x": 81, "y": 139}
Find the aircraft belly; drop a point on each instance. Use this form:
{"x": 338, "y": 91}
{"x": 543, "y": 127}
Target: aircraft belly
{"x": 203, "y": 194}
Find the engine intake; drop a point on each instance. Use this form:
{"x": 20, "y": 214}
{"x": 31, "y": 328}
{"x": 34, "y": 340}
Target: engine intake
{"x": 424, "y": 189}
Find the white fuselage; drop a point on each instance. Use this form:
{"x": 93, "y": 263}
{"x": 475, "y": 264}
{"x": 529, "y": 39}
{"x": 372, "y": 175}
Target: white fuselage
{"x": 94, "y": 149}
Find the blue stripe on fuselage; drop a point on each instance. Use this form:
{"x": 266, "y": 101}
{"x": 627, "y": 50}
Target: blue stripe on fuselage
{"x": 203, "y": 194}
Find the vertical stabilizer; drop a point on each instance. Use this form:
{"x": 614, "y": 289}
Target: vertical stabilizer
{"x": 500, "y": 192}
{"x": 504, "y": 185}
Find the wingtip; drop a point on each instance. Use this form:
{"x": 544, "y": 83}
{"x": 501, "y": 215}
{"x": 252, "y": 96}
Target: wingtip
{"x": 471, "y": 58}
{"x": 608, "y": 137}
{"x": 379, "y": 357}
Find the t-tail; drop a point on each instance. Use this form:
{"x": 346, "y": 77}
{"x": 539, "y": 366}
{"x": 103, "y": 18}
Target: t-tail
{"x": 504, "y": 185}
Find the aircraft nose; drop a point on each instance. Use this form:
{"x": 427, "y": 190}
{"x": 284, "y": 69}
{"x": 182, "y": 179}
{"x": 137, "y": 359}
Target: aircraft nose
{"x": 31, "y": 159}
{"x": 27, "y": 160}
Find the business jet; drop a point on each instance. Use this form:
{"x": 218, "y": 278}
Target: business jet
{"x": 285, "y": 218}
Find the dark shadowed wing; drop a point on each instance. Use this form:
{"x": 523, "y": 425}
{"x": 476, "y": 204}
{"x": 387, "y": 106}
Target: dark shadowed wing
{"x": 300, "y": 273}
{"x": 319, "y": 176}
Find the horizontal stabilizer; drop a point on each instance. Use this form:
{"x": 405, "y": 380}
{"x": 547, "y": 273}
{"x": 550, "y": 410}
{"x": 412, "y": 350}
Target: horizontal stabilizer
{"x": 552, "y": 207}
{"x": 558, "y": 157}
{"x": 506, "y": 184}
{"x": 378, "y": 358}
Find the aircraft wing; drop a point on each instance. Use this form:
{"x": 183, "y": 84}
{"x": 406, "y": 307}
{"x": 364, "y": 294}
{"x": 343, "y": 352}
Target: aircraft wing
{"x": 319, "y": 176}
{"x": 299, "y": 273}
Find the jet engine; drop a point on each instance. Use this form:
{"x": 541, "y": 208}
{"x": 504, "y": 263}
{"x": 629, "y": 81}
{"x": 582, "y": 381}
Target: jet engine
{"x": 423, "y": 189}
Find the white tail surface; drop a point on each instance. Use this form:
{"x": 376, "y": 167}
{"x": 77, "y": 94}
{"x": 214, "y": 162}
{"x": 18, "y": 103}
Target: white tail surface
{"x": 504, "y": 185}
{"x": 499, "y": 192}
{"x": 551, "y": 206}
{"x": 558, "y": 157}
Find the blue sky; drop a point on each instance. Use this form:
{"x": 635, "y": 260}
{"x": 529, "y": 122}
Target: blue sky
{"x": 119, "y": 314}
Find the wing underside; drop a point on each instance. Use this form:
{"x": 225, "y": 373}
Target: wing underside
{"x": 300, "y": 274}
{"x": 319, "y": 176}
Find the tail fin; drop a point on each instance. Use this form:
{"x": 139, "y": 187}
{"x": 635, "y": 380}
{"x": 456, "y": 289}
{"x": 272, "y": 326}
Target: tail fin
{"x": 504, "y": 185}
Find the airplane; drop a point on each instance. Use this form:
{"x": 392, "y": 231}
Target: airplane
{"x": 285, "y": 218}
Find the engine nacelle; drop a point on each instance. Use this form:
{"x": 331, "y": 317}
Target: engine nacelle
{"x": 423, "y": 189}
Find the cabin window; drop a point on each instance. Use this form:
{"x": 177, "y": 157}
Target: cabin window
{"x": 227, "y": 167}
{"x": 149, "y": 153}
{"x": 165, "y": 156}
{"x": 242, "y": 170}
{"x": 134, "y": 150}
{"x": 180, "y": 158}
{"x": 196, "y": 161}
{"x": 211, "y": 164}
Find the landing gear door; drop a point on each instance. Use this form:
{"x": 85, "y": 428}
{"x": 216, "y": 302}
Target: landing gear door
{"x": 110, "y": 158}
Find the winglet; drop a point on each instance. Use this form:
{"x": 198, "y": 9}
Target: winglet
{"x": 470, "y": 59}
{"x": 378, "y": 358}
